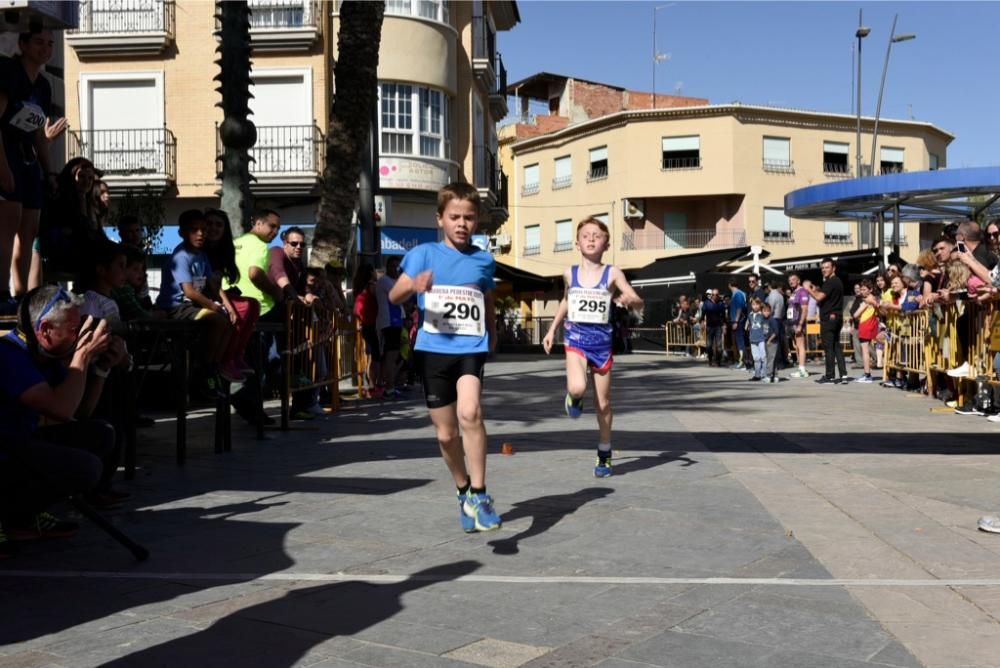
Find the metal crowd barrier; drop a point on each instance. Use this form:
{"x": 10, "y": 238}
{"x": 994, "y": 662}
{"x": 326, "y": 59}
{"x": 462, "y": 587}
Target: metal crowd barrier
{"x": 681, "y": 335}
{"x": 313, "y": 351}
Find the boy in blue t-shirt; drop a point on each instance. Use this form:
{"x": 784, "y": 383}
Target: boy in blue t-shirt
{"x": 772, "y": 330}
{"x": 453, "y": 282}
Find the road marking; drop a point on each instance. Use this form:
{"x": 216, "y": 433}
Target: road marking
{"x": 380, "y": 578}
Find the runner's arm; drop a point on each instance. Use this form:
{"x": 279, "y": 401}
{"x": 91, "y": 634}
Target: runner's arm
{"x": 629, "y": 297}
{"x": 491, "y": 319}
{"x": 405, "y": 287}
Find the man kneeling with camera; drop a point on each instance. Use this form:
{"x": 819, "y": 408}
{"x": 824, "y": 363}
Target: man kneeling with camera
{"x": 53, "y": 368}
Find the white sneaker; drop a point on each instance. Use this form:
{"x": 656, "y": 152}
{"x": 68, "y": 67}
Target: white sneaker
{"x": 994, "y": 418}
{"x": 989, "y": 523}
{"x": 960, "y": 372}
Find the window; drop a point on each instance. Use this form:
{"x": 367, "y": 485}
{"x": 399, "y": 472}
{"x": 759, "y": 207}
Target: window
{"x": 681, "y": 152}
{"x": 777, "y": 226}
{"x": 675, "y": 230}
{"x": 531, "y": 184}
{"x": 435, "y": 10}
{"x": 414, "y": 121}
{"x": 835, "y": 158}
{"x": 933, "y": 160}
{"x": 598, "y": 164}
{"x": 563, "y": 174}
{"x": 777, "y": 154}
{"x": 603, "y": 217}
{"x": 564, "y": 235}
{"x": 532, "y": 240}
{"x": 891, "y": 160}
{"x": 837, "y": 232}
{"x": 888, "y": 229}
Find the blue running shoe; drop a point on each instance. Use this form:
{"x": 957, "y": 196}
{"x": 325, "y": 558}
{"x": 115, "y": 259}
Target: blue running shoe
{"x": 603, "y": 469}
{"x": 574, "y": 406}
{"x": 479, "y": 509}
{"x": 468, "y": 524}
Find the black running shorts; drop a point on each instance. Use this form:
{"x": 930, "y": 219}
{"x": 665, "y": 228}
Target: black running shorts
{"x": 440, "y": 374}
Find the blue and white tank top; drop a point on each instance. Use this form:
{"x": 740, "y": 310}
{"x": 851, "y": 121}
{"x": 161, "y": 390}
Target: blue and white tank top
{"x": 588, "y": 319}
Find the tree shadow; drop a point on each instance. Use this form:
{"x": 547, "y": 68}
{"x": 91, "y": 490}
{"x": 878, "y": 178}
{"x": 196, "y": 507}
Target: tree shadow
{"x": 545, "y": 512}
{"x": 281, "y": 631}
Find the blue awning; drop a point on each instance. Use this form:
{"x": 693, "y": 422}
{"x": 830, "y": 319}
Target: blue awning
{"x": 934, "y": 196}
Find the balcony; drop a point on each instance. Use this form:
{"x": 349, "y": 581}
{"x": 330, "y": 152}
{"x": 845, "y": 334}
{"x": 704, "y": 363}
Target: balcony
{"x": 597, "y": 172}
{"x": 498, "y": 93}
{"x": 656, "y": 239}
{"x": 837, "y": 169}
{"x": 284, "y": 25}
{"x": 130, "y": 159}
{"x": 484, "y": 52}
{"x": 842, "y": 239}
{"x": 779, "y": 166}
{"x": 123, "y": 28}
{"x": 779, "y": 236}
{"x": 287, "y": 159}
{"x": 530, "y": 189}
{"x": 693, "y": 162}
{"x": 562, "y": 246}
{"x": 532, "y": 250}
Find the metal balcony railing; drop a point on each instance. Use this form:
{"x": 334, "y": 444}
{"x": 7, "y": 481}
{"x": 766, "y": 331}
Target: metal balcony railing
{"x": 681, "y": 163}
{"x": 125, "y": 153}
{"x": 502, "y": 201}
{"x": 779, "y": 236}
{"x": 126, "y": 17}
{"x": 531, "y": 189}
{"x": 279, "y": 14}
{"x": 657, "y": 239}
{"x": 562, "y": 182}
{"x": 597, "y": 172}
{"x": 780, "y": 166}
{"x": 283, "y": 149}
{"x": 843, "y": 239}
{"x": 484, "y": 40}
{"x": 836, "y": 168}
{"x": 562, "y": 246}
{"x": 485, "y": 170}
{"x": 532, "y": 250}
{"x": 500, "y": 87}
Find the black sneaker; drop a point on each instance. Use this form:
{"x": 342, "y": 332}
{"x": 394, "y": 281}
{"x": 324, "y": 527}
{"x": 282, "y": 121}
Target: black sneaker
{"x": 826, "y": 380}
{"x": 968, "y": 410}
{"x": 753, "y": 378}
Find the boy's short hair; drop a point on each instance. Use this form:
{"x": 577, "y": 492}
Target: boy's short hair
{"x": 757, "y": 300}
{"x": 260, "y": 214}
{"x": 593, "y": 221}
{"x": 187, "y": 218}
{"x": 764, "y": 306}
{"x": 866, "y": 283}
{"x": 463, "y": 192}
{"x": 133, "y": 255}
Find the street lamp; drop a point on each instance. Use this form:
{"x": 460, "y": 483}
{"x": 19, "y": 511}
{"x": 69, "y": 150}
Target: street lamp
{"x": 657, "y": 56}
{"x": 893, "y": 38}
{"x": 860, "y": 33}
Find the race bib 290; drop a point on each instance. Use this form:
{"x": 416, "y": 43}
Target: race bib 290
{"x": 453, "y": 309}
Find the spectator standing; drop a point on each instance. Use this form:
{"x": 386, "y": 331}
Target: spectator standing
{"x": 390, "y": 324}
{"x": 776, "y": 300}
{"x": 758, "y": 338}
{"x": 738, "y": 322}
{"x": 366, "y": 313}
{"x": 773, "y": 332}
{"x": 715, "y": 323}
{"x": 796, "y": 316}
{"x": 830, "y": 297}
{"x": 866, "y": 317}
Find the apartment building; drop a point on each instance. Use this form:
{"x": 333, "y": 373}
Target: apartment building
{"x": 684, "y": 176}
{"x": 141, "y": 101}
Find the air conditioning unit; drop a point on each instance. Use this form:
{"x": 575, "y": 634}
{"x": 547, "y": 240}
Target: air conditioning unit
{"x": 503, "y": 240}
{"x": 633, "y": 208}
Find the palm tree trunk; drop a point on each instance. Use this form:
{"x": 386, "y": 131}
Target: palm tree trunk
{"x": 237, "y": 132}
{"x": 356, "y": 78}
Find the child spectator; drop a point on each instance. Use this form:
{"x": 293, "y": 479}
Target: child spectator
{"x": 188, "y": 290}
{"x": 772, "y": 333}
{"x": 758, "y": 338}
{"x": 366, "y": 313}
{"x": 127, "y": 294}
{"x": 106, "y": 274}
{"x": 865, "y": 316}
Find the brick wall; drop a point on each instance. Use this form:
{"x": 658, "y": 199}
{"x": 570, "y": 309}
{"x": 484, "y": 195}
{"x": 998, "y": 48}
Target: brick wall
{"x": 637, "y": 100}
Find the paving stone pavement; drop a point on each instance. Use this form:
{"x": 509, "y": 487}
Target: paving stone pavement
{"x": 746, "y": 525}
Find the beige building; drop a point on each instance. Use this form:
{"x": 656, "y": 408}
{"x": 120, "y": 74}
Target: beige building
{"x": 141, "y": 100}
{"x": 686, "y": 176}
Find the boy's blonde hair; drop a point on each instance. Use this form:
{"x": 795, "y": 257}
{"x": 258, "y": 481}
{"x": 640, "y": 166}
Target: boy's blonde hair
{"x": 764, "y": 306}
{"x": 462, "y": 192}
{"x": 593, "y": 221}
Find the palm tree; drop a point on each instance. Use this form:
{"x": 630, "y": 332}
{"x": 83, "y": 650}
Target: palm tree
{"x": 237, "y": 132}
{"x": 356, "y": 79}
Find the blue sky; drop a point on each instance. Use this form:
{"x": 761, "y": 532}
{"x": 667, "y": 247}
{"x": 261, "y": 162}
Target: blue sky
{"x": 795, "y": 54}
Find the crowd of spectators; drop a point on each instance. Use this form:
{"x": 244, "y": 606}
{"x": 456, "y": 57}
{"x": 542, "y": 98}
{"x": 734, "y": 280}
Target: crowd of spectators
{"x": 764, "y": 328}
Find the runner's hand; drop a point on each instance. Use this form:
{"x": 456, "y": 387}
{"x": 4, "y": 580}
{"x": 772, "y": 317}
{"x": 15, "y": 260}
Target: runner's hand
{"x": 423, "y": 281}
{"x": 547, "y": 342}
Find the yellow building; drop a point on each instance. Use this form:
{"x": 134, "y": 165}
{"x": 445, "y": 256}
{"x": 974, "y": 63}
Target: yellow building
{"x": 685, "y": 176}
{"x": 141, "y": 100}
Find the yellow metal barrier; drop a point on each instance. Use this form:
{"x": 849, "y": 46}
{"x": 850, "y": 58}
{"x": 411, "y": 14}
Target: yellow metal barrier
{"x": 312, "y": 350}
{"x": 907, "y": 346}
{"x": 681, "y": 335}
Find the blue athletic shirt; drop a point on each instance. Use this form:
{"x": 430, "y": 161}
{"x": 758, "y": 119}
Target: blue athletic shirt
{"x": 472, "y": 268}
{"x": 17, "y": 421}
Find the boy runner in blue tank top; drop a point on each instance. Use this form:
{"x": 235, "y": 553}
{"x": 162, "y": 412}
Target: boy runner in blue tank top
{"x": 453, "y": 282}
{"x": 587, "y": 308}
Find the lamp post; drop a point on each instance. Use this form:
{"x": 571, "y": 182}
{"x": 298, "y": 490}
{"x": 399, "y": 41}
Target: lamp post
{"x": 657, "y": 56}
{"x": 860, "y": 33}
{"x": 893, "y": 38}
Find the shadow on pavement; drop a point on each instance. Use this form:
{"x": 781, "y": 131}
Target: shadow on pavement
{"x": 545, "y": 512}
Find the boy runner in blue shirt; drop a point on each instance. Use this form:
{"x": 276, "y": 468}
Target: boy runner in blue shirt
{"x": 453, "y": 282}
{"x": 587, "y": 306}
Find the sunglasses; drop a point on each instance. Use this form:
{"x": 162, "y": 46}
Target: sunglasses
{"x": 993, "y": 235}
{"x": 296, "y": 244}
{"x": 60, "y": 296}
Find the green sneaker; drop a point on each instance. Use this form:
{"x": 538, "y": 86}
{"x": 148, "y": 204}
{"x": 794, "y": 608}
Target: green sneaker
{"x": 45, "y": 525}
{"x": 603, "y": 467}
{"x": 574, "y": 406}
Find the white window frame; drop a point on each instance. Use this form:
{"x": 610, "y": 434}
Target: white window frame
{"x": 416, "y": 130}
{"x": 677, "y": 139}
{"x": 590, "y": 163}
{"x": 881, "y": 157}
{"x": 307, "y": 85}
{"x": 887, "y": 228}
{"x": 88, "y": 79}
{"x": 839, "y": 148}
{"x": 562, "y": 180}
{"x": 837, "y": 232}
{"x": 776, "y": 234}
{"x": 776, "y": 164}
{"x": 537, "y": 248}
{"x": 564, "y": 241}
{"x": 532, "y": 187}
{"x": 443, "y": 11}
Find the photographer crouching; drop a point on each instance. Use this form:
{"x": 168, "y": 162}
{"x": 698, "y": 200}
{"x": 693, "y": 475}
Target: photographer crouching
{"x": 52, "y": 368}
